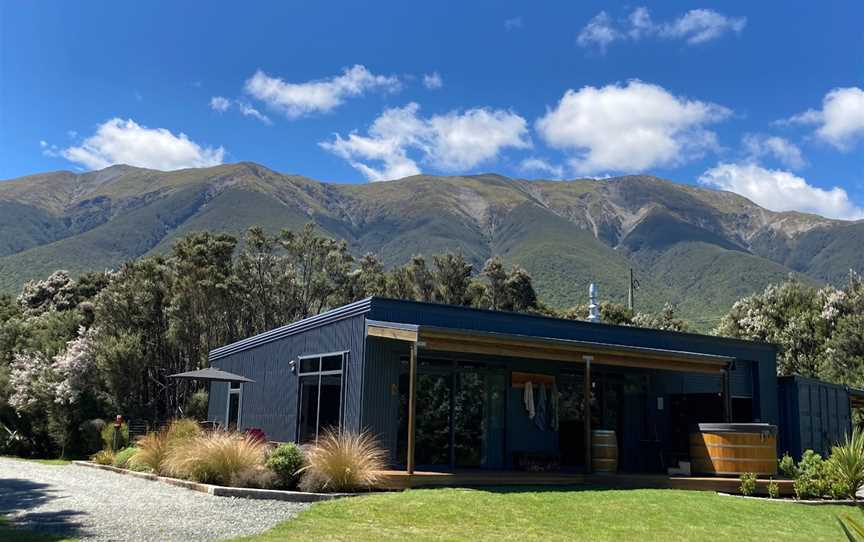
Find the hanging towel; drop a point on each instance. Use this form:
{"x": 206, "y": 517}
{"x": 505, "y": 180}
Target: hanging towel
{"x": 528, "y": 399}
{"x": 541, "y": 409}
{"x": 553, "y": 403}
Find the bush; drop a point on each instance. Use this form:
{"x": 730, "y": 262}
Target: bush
{"x": 285, "y": 461}
{"x": 257, "y": 434}
{"x": 773, "y": 489}
{"x": 121, "y": 458}
{"x": 197, "y": 405}
{"x": 214, "y": 457}
{"x": 787, "y": 466}
{"x": 342, "y": 462}
{"x": 811, "y": 480}
{"x": 257, "y": 477}
{"x": 847, "y": 466}
{"x": 108, "y": 436}
{"x": 748, "y": 483}
{"x": 103, "y": 457}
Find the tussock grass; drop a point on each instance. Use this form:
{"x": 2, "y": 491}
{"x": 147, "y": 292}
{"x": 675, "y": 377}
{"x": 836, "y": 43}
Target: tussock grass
{"x": 214, "y": 457}
{"x": 342, "y": 461}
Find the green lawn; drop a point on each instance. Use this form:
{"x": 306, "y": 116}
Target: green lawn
{"x": 559, "y": 514}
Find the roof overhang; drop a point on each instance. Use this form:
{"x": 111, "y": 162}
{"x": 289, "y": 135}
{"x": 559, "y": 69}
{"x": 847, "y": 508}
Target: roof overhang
{"x": 441, "y": 339}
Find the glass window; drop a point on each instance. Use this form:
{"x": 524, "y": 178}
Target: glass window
{"x": 331, "y": 363}
{"x": 320, "y": 401}
{"x": 233, "y": 418}
{"x": 310, "y": 365}
{"x": 235, "y": 385}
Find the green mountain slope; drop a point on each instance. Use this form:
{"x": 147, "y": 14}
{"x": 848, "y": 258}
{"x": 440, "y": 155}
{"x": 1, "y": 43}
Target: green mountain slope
{"x": 693, "y": 246}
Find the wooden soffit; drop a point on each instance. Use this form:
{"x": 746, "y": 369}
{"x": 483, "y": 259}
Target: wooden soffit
{"x": 542, "y": 348}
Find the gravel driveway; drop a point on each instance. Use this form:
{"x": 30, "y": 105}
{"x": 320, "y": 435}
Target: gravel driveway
{"x": 92, "y": 504}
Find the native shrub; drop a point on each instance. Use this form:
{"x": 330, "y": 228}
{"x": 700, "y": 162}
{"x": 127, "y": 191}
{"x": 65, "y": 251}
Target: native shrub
{"x": 285, "y": 462}
{"x": 847, "y": 465}
{"x": 342, "y": 461}
{"x": 121, "y": 458}
{"x": 773, "y": 489}
{"x": 103, "y": 457}
{"x": 183, "y": 429}
{"x": 748, "y": 484}
{"x": 787, "y": 466}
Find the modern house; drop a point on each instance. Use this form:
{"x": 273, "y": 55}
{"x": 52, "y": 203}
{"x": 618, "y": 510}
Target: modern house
{"x": 447, "y": 388}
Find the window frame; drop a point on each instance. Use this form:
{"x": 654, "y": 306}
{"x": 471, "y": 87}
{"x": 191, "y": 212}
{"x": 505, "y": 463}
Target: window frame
{"x": 234, "y": 391}
{"x": 342, "y": 373}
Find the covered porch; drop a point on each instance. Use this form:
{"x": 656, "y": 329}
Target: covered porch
{"x": 462, "y": 419}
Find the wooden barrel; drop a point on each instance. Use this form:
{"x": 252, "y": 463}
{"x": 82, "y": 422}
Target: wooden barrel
{"x": 604, "y": 451}
{"x": 733, "y": 449}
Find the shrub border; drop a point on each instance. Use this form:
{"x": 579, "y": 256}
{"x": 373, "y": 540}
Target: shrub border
{"x": 223, "y": 491}
{"x": 811, "y": 502}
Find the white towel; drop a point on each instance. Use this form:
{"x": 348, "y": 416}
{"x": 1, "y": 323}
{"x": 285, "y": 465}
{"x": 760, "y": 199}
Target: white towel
{"x": 528, "y": 398}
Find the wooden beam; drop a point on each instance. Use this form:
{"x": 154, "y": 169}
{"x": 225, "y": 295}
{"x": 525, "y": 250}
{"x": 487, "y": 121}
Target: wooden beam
{"x": 544, "y": 351}
{"x": 394, "y": 333}
{"x": 587, "y": 413}
{"x": 412, "y": 407}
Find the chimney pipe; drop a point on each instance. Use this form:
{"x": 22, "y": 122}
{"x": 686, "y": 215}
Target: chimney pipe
{"x": 593, "y": 307}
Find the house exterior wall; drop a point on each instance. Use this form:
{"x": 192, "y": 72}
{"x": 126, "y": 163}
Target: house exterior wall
{"x": 814, "y": 415}
{"x": 270, "y": 403}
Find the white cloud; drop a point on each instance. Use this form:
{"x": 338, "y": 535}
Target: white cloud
{"x": 119, "y": 141}
{"x": 758, "y": 145}
{"x": 433, "y": 81}
{"x": 43, "y": 143}
{"x": 694, "y": 27}
{"x": 541, "y": 166}
{"x": 299, "y": 99}
{"x": 781, "y": 191}
{"x": 248, "y": 111}
{"x": 514, "y": 23}
{"x": 600, "y": 32}
{"x": 220, "y": 104}
{"x": 840, "y": 121}
{"x": 455, "y": 141}
{"x": 701, "y": 25}
{"x": 629, "y": 128}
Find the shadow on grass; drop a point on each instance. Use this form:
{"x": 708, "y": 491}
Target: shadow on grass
{"x": 19, "y": 501}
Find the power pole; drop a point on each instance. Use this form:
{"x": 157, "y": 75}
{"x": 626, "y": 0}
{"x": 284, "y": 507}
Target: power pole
{"x": 632, "y": 286}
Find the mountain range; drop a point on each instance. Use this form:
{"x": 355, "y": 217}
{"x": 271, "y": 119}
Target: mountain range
{"x": 696, "y": 247}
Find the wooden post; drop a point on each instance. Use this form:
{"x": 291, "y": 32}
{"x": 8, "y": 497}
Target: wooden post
{"x": 587, "y": 409}
{"x": 412, "y": 400}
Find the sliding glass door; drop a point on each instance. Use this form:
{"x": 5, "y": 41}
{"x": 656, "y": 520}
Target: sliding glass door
{"x": 460, "y": 413}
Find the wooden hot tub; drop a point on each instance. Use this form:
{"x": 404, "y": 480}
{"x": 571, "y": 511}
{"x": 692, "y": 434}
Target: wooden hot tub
{"x": 734, "y": 448}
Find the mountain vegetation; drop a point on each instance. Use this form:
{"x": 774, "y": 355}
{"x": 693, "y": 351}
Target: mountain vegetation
{"x": 695, "y": 248}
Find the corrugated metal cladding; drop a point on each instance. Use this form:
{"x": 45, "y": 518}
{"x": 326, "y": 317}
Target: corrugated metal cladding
{"x": 815, "y": 415}
{"x": 762, "y": 356}
{"x": 381, "y": 393}
{"x": 270, "y": 403}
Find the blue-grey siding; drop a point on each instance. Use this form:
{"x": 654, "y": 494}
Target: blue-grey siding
{"x": 270, "y": 403}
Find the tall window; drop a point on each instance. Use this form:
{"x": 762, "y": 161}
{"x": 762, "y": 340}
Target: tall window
{"x": 235, "y": 399}
{"x": 320, "y": 402}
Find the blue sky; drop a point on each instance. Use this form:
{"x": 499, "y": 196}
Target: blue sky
{"x": 762, "y": 98}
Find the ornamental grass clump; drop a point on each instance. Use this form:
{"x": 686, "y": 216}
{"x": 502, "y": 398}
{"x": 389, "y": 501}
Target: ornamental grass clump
{"x": 153, "y": 447}
{"x": 847, "y": 461}
{"x": 342, "y": 461}
{"x": 215, "y": 457}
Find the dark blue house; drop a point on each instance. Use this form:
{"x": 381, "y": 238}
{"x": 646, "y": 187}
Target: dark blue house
{"x": 447, "y": 387}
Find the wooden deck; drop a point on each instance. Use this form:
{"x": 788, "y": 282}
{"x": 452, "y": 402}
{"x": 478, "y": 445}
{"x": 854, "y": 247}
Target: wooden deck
{"x": 399, "y": 480}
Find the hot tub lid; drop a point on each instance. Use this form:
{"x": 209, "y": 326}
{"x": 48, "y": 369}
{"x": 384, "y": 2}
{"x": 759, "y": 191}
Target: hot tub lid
{"x": 737, "y": 428}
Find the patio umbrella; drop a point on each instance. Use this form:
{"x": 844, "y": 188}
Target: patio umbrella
{"x": 211, "y": 374}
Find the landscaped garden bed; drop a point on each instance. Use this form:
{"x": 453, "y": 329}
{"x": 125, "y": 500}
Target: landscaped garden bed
{"x": 245, "y": 465}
